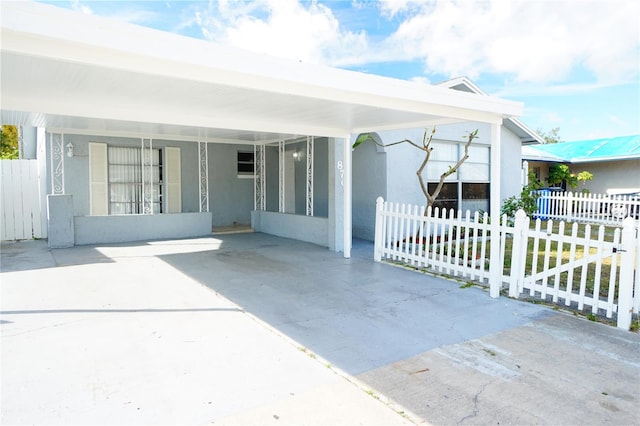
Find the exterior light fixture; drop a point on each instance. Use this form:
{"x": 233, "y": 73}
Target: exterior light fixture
{"x": 297, "y": 155}
{"x": 69, "y": 149}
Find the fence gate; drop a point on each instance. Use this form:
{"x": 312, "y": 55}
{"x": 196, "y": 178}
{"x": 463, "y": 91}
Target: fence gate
{"x": 567, "y": 266}
{"x": 20, "y": 200}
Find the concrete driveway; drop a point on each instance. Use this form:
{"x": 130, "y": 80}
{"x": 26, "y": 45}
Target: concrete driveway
{"x": 255, "y": 329}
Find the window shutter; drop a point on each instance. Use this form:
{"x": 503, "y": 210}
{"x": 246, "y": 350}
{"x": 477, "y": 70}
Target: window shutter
{"x": 173, "y": 181}
{"x": 98, "y": 180}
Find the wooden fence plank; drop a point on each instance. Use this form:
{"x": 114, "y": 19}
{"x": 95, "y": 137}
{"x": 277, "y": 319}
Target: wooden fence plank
{"x": 8, "y": 211}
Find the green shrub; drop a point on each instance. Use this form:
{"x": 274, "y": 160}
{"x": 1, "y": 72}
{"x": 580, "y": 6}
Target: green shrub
{"x": 527, "y": 200}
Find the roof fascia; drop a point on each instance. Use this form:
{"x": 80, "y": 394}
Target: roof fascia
{"x": 603, "y": 159}
{"x": 465, "y": 81}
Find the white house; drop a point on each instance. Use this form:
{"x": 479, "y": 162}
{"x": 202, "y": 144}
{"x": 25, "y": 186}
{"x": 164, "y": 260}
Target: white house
{"x": 391, "y": 172}
{"x": 145, "y": 134}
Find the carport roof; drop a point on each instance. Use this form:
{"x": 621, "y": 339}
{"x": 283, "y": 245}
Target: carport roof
{"x": 74, "y": 73}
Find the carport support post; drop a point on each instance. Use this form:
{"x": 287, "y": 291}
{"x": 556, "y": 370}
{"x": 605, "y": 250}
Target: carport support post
{"x": 495, "y": 267}
{"x": 340, "y": 195}
{"x": 347, "y": 196}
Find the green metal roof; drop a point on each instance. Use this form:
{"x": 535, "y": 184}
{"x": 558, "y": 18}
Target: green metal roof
{"x": 607, "y": 149}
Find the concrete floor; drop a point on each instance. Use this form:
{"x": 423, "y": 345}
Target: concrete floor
{"x": 255, "y": 329}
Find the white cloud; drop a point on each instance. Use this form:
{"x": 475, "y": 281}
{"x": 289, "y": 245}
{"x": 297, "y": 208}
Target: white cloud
{"x": 534, "y": 41}
{"x": 525, "y": 41}
{"x": 283, "y": 28}
{"x": 391, "y": 8}
{"x": 81, "y": 7}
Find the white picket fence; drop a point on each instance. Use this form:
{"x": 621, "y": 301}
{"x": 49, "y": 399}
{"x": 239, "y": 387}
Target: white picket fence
{"x": 586, "y": 207}
{"x": 451, "y": 244}
{"x": 20, "y": 200}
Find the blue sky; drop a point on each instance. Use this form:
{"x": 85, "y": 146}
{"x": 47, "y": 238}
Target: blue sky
{"x": 574, "y": 63}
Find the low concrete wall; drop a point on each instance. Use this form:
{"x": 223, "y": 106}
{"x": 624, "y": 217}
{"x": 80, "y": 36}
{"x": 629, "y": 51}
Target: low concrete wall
{"x": 60, "y": 221}
{"x": 304, "y": 228}
{"x": 126, "y": 228}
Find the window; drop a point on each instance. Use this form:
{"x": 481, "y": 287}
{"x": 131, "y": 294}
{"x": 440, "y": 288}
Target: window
{"x": 246, "y": 163}
{"x": 448, "y": 197}
{"x": 475, "y": 197}
{"x": 122, "y": 182}
{"x": 468, "y": 189}
{"x": 127, "y": 191}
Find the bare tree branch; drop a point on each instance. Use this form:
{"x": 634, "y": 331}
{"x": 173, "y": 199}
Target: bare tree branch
{"x": 426, "y": 147}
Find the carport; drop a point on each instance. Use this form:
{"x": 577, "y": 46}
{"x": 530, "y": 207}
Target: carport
{"x": 73, "y": 74}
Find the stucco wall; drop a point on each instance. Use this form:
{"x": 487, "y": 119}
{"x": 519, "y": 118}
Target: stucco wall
{"x": 125, "y": 228}
{"x": 610, "y": 174}
{"x": 369, "y": 183}
{"x": 399, "y": 183}
{"x": 230, "y": 196}
{"x": 320, "y": 179}
{"x": 510, "y": 164}
{"x": 304, "y": 228}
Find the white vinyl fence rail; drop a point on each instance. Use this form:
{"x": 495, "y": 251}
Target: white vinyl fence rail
{"x": 586, "y": 207}
{"x": 20, "y": 200}
{"x": 540, "y": 264}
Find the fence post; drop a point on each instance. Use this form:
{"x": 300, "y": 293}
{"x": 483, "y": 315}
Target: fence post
{"x": 518, "y": 253}
{"x": 627, "y": 259}
{"x": 377, "y": 240}
{"x": 495, "y": 268}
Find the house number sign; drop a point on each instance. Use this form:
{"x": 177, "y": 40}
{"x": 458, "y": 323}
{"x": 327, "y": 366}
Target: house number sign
{"x": 341, "y": 170}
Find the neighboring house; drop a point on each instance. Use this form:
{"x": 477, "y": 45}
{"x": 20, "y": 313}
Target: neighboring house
{"x": 142, "y": 134}
{"x": 614, "y": 162}
{"x": 391, "y": 172}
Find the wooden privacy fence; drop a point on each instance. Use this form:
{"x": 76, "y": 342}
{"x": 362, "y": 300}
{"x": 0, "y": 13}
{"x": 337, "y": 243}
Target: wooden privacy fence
{"x": 581, "y": 271}
{"x": 20, "y": 198}
{"x": 585, "y": 207}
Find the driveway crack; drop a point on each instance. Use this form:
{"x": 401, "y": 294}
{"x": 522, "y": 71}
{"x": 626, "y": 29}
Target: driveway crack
{"x": 476, "y": 409}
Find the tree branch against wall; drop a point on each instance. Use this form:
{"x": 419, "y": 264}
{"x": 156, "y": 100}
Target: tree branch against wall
{"x": 427, "y": 148}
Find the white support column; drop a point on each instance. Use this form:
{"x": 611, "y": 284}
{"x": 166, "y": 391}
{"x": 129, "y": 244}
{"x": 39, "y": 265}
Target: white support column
{"x": 203, "y": 176}
{"x": 525, "y": 173}
{"x": 259, "y": 202}
{"x": 495, "y": 268}
{"x": 347, "y": 166}
{"x": 281, "y": 186}
{"x": 309, "y": 209}
{"x": 57, "y": 163}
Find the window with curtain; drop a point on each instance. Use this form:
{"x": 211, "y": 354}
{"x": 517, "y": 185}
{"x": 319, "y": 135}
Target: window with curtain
{"x": 127, "y": 189}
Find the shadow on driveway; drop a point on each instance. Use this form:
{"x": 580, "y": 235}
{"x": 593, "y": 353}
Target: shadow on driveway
{"x": 355, "y": 313}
